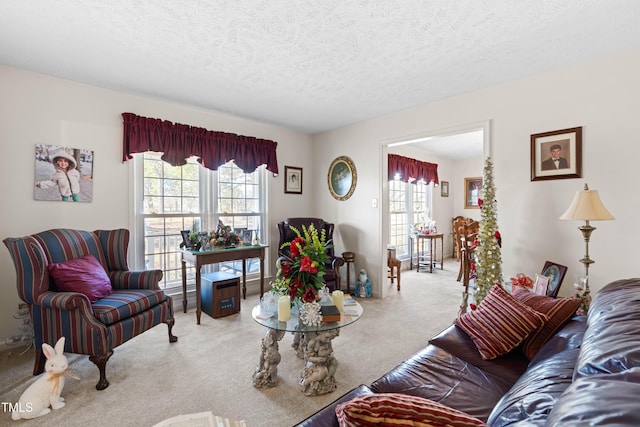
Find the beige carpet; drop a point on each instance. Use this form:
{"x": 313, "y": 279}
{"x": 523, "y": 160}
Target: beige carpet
{"x": 210, "y": 367}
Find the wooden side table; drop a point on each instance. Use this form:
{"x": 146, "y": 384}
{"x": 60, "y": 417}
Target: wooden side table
{"x": 349, "y": 258}
{"x": 199, "y": 259}
{"x": 421, "y": 259}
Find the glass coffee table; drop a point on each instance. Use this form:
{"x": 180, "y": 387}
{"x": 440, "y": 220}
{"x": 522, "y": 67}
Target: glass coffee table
{"x": 311, "y": 343}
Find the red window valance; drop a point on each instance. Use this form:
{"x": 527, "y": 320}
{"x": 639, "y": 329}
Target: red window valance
{"x": 178, "y": 142}
{"x": 411, "y": 170}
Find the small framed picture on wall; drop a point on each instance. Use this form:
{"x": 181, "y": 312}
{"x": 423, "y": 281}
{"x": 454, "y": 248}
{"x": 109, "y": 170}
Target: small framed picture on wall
{"x": 472, "y": 187}
{"x": 292, "y": 180}
{"x": 444, "y": 188}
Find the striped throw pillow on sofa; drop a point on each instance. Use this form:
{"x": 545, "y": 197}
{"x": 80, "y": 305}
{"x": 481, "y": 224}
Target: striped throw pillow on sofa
{"x": 500, "y": 323}
{"x": 400, "y": 410}
{"x": 559, "y": 311}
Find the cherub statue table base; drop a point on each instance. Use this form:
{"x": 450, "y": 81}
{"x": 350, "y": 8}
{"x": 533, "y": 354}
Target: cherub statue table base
{"x": 266, "y": 373}
{"x": 318, "y": 375}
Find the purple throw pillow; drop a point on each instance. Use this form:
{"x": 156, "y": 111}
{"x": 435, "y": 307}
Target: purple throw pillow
{"x": 84, "y": 275}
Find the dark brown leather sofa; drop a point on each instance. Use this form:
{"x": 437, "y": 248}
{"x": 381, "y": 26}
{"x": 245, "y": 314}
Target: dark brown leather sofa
{"x": 588, "y": 373}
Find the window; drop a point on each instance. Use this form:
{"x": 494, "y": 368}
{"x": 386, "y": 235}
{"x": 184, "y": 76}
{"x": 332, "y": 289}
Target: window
{"x": 190, "y": 197}
{"x": 409, "y": 204}
{"x": 239, "y": 203}
{"x": 398, "y": 218}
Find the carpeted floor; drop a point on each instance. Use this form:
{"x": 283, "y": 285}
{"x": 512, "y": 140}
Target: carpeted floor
{"x": 210, "y": 367}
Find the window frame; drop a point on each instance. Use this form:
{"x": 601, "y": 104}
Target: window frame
{"x": 409, "y": 212}
{"x": 208, "y": 182}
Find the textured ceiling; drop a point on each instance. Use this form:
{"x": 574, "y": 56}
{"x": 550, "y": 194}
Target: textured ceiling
{"x": 309, "y": 65}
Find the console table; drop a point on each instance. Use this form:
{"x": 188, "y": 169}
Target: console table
{"x": 312, "y": 343}
{"x": 200, "y": 258}
{"x": 419, "y": 240}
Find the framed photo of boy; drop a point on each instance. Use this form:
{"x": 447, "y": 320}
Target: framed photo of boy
{"x": 556, "y": 154}
{"x": 63, "y": 174}
{"x": 292, "y": 180}
{"x": 472, "y": 187}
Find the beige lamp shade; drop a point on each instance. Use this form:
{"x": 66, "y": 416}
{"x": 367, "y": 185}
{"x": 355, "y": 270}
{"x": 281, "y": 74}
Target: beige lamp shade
{"x": 586, "y": 205}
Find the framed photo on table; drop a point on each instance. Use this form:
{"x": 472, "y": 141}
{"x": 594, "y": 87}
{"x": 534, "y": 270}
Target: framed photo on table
{"x": 186, "y": 241}
{"x": 555, "y": 273}
{"x": 540, "y": 285}
{"x": 472, "y": 187}
{"x": 246, "y": 236}
{"x": 292, "y": 180}
{"x": 556, "y": 154}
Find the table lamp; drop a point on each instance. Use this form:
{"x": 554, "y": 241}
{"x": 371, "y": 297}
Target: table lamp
{"x": 587, "y": 206}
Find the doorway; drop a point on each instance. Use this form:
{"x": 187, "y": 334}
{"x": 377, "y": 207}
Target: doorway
{"x": 458, "y": 152}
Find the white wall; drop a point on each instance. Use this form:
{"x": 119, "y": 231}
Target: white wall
{"x": 39, "y": 109}
{"x": 601, "y": 96}
{"x": 469, "y": 168}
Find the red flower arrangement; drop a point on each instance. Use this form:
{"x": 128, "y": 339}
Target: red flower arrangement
{"x": 300, "y": 275}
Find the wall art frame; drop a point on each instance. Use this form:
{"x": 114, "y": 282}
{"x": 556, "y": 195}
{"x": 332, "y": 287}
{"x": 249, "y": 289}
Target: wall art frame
{"x": 292, "y": 180}
{"x": 63, "y": 173}
{"x": 342, "y": 178}
{"x": 444, "y": 188}
{"x": 472, "y": 187}
{"x": 565, "y": 145}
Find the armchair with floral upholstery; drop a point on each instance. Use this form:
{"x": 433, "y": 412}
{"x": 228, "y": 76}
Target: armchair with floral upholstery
{"x": 332, "y": 272}
{"x": 77, "y": 284}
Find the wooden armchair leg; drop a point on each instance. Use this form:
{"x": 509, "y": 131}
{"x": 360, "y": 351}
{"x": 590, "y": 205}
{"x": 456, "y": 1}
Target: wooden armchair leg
{"x": 100, "y": 361}
{"x": 170, "y": 323}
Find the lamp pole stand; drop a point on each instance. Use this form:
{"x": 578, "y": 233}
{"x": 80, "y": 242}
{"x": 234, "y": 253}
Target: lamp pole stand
{"x": 586, "y": 233}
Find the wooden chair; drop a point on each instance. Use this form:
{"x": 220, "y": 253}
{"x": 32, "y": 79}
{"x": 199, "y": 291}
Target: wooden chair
{"x": 455, "y": 247}
{"x": 458, "y": 231}
{"x": 467, "y": 257}
{"x": 467, "y": 233}
{"x": 394, "y": 265}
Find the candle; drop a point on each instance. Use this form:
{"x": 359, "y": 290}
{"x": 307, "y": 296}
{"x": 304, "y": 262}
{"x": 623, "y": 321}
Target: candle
{"x": 284, "y": 308}
{"x": 338, "y": 299}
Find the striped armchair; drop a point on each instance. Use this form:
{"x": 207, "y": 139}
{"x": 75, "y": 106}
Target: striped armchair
{"x": 95, "y": 329}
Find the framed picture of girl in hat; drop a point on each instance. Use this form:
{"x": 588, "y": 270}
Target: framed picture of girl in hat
{"x": 63, "y": 174}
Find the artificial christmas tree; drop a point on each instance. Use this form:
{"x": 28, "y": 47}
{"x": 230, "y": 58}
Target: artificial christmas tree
{"x": 488, "y": 256}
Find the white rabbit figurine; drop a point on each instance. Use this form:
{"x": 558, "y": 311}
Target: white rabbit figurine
{"x": 45, "y": 391}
